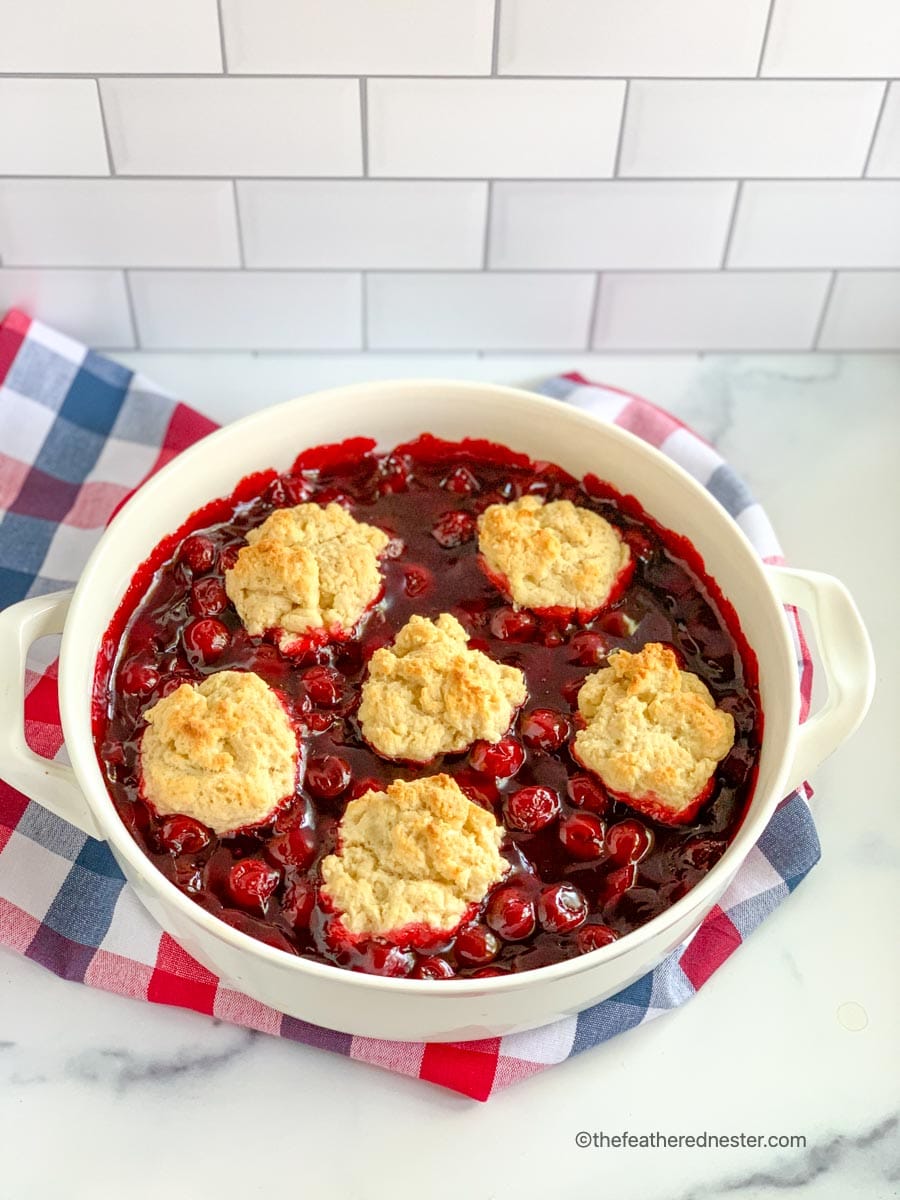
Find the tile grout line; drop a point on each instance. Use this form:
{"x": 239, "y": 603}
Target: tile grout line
{"x": 194, "y": 268}
{"x": 222, "y": 50}
{"x": 242, "y": 258}
{"x": 881, "y": 109}
{"x": 826, "y": 304}
{"x": 623, "y": 116}
{"x": 444, "y": 352}
{"x": 573, "y": 180}
{"x": 595, "y": 306}
{"x": 488, "y": 214}
{"x": 495, "y": 40}
{"x": 107, "y": 143}
{"x": 207, "y": 75}
{"x": 364, "y": 123}
{"x": 132, "y": 312}
{"x": 765, "y": 39}
{"x": 723, "y": 265}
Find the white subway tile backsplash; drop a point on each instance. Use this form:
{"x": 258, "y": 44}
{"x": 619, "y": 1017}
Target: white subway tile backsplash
{"x": 834, "y": 37}
{"x": 631, "y": 37}
{"x": 610, "y": 225}
{"x": 489, "y": 311}
{"x": 364, "y": 224}
{"x": 247, "y": 310}
{"x": 864, "y": 312}
{"x": 743, "y": 128}
{"x": 709, "y": 310}
{"x": 51, "y": 127}
{"x": 115, "y": 36}
{"x": 89, "y": 305}
{"x": 493, "y": 128}
{"x": 885, "y": 159}
{"x": 234, "y": 126}
{"x": 844, "y": 223}
{"x": 364, "y": 37}
{"x": 117, "y": 222}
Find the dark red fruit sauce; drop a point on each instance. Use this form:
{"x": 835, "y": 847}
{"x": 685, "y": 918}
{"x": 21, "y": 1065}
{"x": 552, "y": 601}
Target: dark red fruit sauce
{"x": 585, "y": 868}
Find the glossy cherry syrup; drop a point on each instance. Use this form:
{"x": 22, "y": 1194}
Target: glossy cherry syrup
{"x": 585, "y": 868}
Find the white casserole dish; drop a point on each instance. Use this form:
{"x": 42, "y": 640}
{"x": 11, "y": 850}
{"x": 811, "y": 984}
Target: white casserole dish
{"x": 394, "y": 412}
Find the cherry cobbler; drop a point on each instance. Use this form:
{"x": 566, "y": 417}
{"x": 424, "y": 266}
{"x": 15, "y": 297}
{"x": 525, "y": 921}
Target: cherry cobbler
{"x": 443, "y": 712}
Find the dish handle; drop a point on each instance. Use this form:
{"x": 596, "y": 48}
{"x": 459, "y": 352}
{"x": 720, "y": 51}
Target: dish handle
{"x": 49, "y": 783}
{"x": 847, "y": 660}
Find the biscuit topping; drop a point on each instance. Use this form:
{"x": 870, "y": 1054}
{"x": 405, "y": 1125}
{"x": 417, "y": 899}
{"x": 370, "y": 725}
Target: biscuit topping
{"x": 223, "y": 752}
{"x": 552, "y": 555}
{"x": 653, "y": 733}
{"x": 306, "y": 568}
{"x": 417, "y": 855}
{"x": 429, "y": 694}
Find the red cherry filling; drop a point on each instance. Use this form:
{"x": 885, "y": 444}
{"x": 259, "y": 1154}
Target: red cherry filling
{"x": 701, "y": 853}
{"x": 208, "y": 597}
{"x": 205, "y": 640}
{"x": 592, "y": 937}
{"x": 417, "y": 580}
{"x": 555, "y": 812}
{"x": 453, "y": 529}
{"x": 432, "y": 967}
{"x": 461, "y": 481}
{"x": 589, "y": 649}
{"x": 299, "y": 902}
{"x": 531, "y": 808}
{"x": 183, "y": 835}
{"x": 617, "y": 882}
{"x": 585, "y": 792}
{"x": 543, "y": 729}
{"x": 619, "y": 624}
{"x": 501, "y": 759}
{"x": 251, "y": 883}
{"x": 561, "y": 908}
{"x": 379, "y": 959}
{"x": 327, "y": 776}
{"x": 476, "y": 946}
{"x": 513, "y": 624}
{"x": 639, "y": 544}
{"x": 628, "y": 841}
{"x": 295, "y": 847}
{"x": 510, "y": 913}
{"x": 324, "y": 686}
{"x": 361, "y": 786}
{"x": 395, "y": 474}
{"x": 198, "y": 553}
{"x": 582, "y": 835}
{"x": 138, "y": 678}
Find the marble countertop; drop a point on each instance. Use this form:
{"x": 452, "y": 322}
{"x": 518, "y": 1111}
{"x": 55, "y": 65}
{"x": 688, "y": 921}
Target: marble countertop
{"x": 101, "y": 1096}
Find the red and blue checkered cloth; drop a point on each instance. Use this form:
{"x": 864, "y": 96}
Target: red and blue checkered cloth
{"x": 77, "y": 434}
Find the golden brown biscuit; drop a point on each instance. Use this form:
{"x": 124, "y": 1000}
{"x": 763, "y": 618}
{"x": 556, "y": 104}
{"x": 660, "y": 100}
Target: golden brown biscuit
{"x": 419, "y": 854}
{"x": 223, "y": 752}
{"x": 554, "y": 555}
{"x": 306, "y": 568}
{"x": 429, "y": 694}
{"x": 653, "y": 733}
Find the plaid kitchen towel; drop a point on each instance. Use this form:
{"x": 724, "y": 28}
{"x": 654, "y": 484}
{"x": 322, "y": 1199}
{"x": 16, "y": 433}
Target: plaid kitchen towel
{"x": 79, "y": 432}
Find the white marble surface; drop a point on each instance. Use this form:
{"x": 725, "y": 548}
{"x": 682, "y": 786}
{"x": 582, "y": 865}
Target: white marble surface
{"x": 105, "y": 1097}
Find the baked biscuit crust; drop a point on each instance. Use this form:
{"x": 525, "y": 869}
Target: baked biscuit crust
{"x": 552, "y": 556}
{"x": 306, "y": 568}
{"x": 429, "y": 694}
{"x": 223, "y": 752}
{"x": 652, "y": 733}
{"x": 412, "y": 861}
